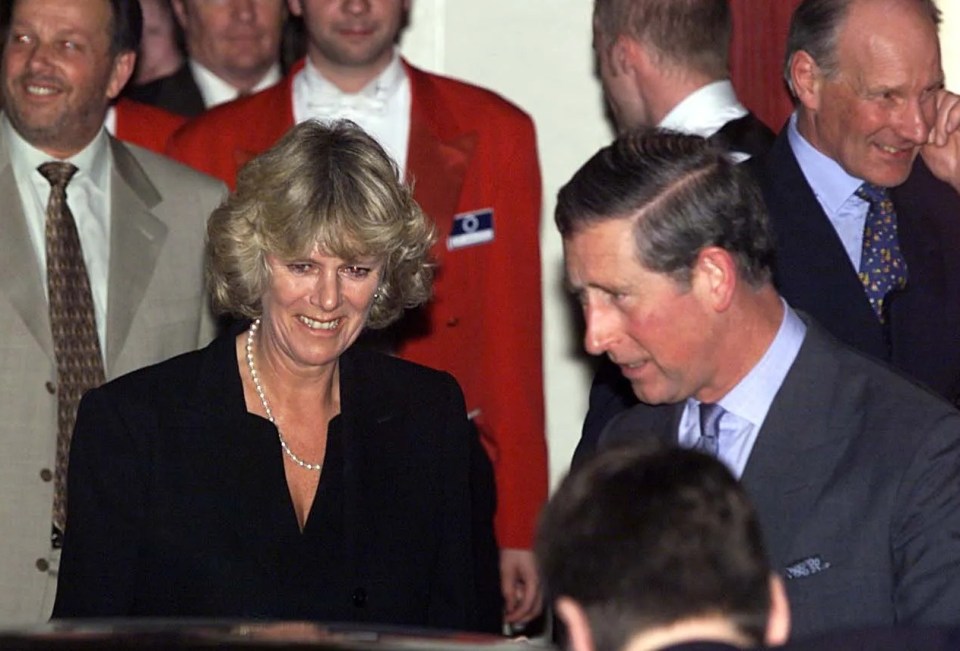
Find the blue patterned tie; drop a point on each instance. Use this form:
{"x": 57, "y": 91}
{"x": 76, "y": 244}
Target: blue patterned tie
{"x": 710, "y": 415}
{"x": 882, "y": 267}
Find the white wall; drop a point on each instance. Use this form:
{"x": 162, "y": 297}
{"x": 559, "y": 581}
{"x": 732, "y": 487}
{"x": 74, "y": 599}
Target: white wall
{"x": 537, "y": 53}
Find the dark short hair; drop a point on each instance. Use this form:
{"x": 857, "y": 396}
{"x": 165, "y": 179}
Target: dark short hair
{"x": 323, "y": 184}
{"x": 126, "y": 26}
{"x": 647, "y": 535}
{"x": 814, "y": 29}
{"x": 684, "y": 194}
{"x": 692, "y": 33}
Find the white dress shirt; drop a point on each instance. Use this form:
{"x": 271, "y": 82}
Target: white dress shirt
{"x": 381, "y": 108}
{"x": 215, "y": 90}
{"x": 704, "y": 112}
{"x": 88, "y": 198}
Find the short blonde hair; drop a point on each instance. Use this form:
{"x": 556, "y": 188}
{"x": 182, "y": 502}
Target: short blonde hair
{"x": 326, "y": 185}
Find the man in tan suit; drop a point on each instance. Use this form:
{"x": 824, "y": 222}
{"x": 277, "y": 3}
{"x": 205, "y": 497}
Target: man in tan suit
{"x": 139, "y": 219}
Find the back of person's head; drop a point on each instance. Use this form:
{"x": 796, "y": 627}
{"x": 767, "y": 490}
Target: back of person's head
{"x": 691, "y": 34}
{"x": 646, "y": 536}
{"x": 684, "y": 194}
{"x": 815, "y": 26}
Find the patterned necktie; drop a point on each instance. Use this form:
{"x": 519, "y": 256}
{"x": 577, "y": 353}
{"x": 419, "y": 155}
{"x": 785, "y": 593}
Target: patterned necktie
{"x": 72, "y": 322}
{"x": 882, "y": 267}
{"x": 710, "y": 415}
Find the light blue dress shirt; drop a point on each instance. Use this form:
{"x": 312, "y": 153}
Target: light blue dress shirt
{"x": 747, "y": 404}
{"x": 834, "y": 189}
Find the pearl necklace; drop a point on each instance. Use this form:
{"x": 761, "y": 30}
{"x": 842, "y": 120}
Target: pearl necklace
{"x": 266, "y": 407}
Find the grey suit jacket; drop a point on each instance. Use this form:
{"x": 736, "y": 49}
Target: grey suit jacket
{"x": 855, "y": 475}
{"x": 156, "y": 308}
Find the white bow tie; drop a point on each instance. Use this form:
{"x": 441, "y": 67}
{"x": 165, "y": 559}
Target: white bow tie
{"x": 329, "y": 105}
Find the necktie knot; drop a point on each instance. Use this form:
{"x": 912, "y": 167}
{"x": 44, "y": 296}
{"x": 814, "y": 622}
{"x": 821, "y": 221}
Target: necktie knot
{"x": 873, "y": 194}
{"x": 710, "y": 415}
{"x": 57, "y": 173}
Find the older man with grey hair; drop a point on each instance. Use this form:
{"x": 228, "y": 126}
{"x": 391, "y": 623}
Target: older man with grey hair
{"x": 862, "y": 184}
{"x": 853, "y": 469}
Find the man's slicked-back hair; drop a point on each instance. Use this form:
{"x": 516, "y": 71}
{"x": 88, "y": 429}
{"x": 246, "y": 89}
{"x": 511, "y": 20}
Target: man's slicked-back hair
{"x": 691, "y": 34}
{"x": 683, "y": 193}
{"x": 815, "y": 27}
{"x": 646, "y": 535}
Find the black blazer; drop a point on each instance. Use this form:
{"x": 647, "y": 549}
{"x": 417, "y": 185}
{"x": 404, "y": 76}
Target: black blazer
{"x": 177, "y": 93}
{"x": 855, "y": 475}
{"x": 178, "y": 504}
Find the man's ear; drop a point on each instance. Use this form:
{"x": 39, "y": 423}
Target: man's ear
{"x": 628, "y": 55}
{"x": 578, "y": 626}
{"x": 180, "y": 12}
{"x": 778, "y": 621}
{"x": 715, "y": 277}
{"x": 806, "y": 79}
{"x": 123, "y": 65}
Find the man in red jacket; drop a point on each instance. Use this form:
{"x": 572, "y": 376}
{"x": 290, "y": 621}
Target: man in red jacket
{"x": 471, "y": 157}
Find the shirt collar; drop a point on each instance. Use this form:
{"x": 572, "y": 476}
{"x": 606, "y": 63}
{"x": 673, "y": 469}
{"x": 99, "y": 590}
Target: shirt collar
{"x": 379, "y": 89}
{"x": 92, "y": 161}
{"x": 704, "y": 111}
{"x": 751, "y": 398}
{"x": 828, "y": 180}
{"x": 215, "y": 90}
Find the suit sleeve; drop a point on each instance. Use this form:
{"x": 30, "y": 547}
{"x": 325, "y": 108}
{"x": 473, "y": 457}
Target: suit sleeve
{"x": 462, "y": 525}
{"x": 926, "y": 531}
{"x": 513, "y": 423}
{"x": 105, "y": 511}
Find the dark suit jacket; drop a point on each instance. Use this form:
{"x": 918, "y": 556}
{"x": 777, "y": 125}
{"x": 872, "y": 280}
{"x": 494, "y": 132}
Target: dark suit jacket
{"x": 855, "y": 475}
{"x": 885, "y": 638}
{"x": 179, "y": 504}
{"x": 610, "y": 392}
{"x": 812, "y": 270}
{"x": 177, "y": 93}
{"x": 469, "y": 150}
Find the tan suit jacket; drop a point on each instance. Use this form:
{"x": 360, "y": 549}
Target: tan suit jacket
{"x": 156, "y": 308}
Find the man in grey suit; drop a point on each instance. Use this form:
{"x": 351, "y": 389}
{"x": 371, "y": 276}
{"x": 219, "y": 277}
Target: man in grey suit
{"x": 854, "y": 470}
{"x": 138, "y": 257}
{"x": 666, "y": 63}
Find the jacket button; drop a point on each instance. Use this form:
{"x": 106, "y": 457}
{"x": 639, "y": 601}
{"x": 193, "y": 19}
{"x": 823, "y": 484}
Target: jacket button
{"x": 51, "y": 387}
{"x": 359, "y": 597}
{"x": 46, "y": 474}
{"x": 453, "y": 322}
{"x": 43, "y": 565}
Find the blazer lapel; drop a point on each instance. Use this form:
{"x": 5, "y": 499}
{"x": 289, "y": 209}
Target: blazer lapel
{"x": 799, "y": 445}
{"x": 20, "y": 277}
{"x": 437, "y": 160}
{"x": 136, "y": 239}
{"x": 370, "y": 421}
{"x": 243, "y": 456}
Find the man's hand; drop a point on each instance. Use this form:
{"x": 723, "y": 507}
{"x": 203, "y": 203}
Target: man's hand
{"x": 520, "y": 584}
{"x": 942, "y": 151}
